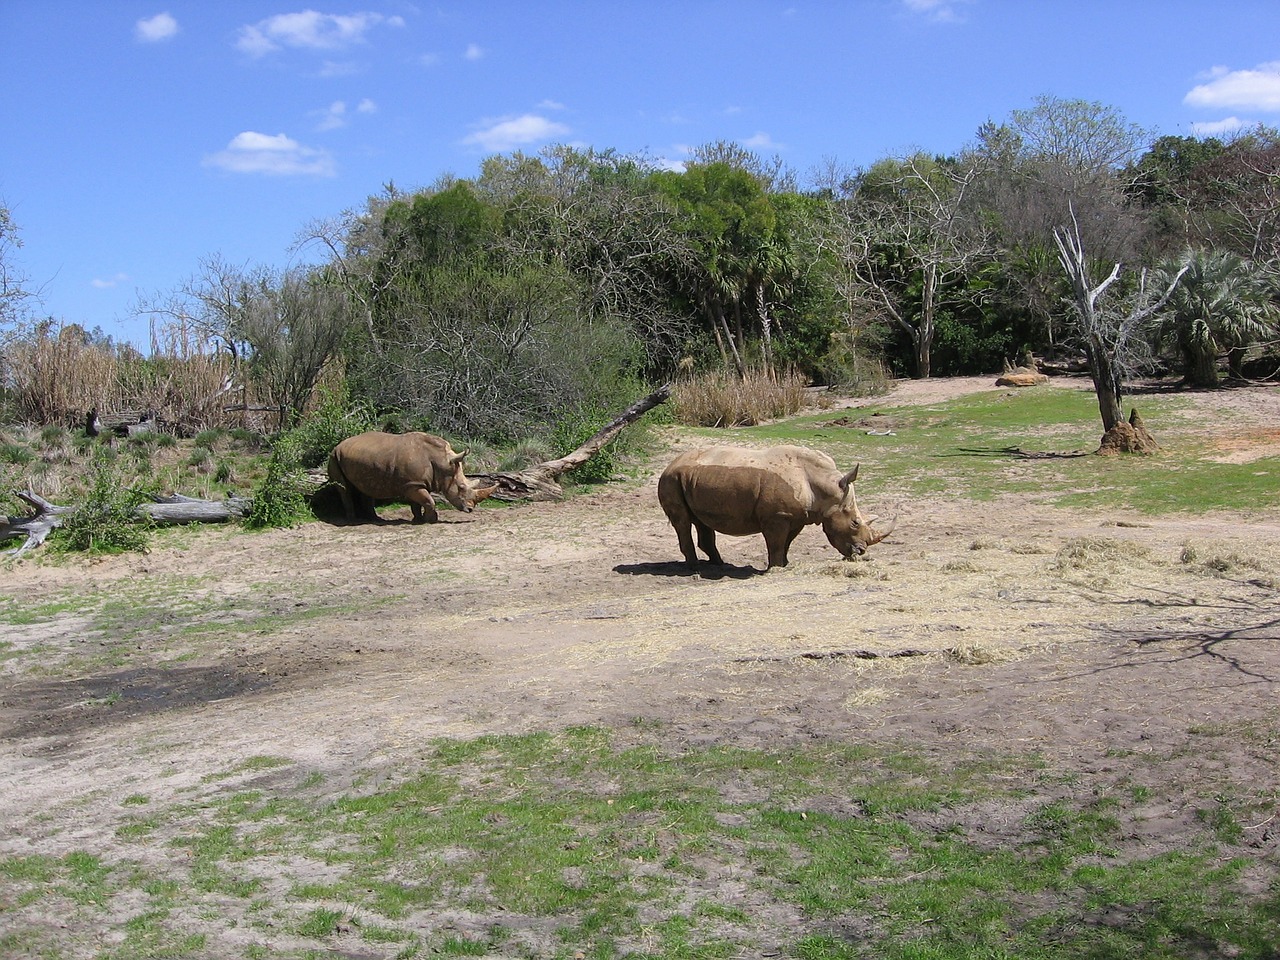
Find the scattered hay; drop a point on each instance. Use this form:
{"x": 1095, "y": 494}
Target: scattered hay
{"x": 1216, "y": 559}
{"x": 974, "y": 653}
{"x": 984, "y": 543}
{"x": 1099, "y": 553}
{"x": 855, "y": 570}
{"x": 868, "y": 697}
{"x": 961, "y": 566}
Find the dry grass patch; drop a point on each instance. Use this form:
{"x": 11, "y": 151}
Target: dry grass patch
{"x": 975, "y": 653}
{"x": 1218, "y": 559}
{"x": 726, "y": 400}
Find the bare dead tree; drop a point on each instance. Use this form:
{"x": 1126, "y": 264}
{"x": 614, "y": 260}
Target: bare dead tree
{"x": 1112, "y": 333}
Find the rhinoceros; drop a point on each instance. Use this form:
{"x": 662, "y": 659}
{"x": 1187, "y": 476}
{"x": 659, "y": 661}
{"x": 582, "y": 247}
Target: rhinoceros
{"x": 777, "y": 492}
{"x": 373, "y": 467}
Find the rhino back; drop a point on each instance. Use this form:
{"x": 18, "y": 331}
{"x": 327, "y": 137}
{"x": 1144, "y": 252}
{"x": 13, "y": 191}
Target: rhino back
{"x": 385, "y": 465}
{"x": 734, "y": 490}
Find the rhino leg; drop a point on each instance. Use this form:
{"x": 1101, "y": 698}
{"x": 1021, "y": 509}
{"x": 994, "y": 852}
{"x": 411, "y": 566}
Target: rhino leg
{"x": 365, "y": 506}
{"x": 707, "y": 541}
{"x": 778, "y": 538}
{"x": 348, "y": 507}
{"x": 423, "y": 505}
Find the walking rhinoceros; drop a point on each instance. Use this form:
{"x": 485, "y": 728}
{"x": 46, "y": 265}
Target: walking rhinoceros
{"x": 776, "y": 492}
{"x": 372, "y": 467}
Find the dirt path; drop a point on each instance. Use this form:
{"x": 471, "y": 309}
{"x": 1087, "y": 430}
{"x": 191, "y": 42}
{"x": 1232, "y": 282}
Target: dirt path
{"x": 1083, "y": 637}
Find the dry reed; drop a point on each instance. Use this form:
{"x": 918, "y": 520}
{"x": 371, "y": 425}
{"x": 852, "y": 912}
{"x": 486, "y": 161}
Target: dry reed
{"x": 726, "y": 400}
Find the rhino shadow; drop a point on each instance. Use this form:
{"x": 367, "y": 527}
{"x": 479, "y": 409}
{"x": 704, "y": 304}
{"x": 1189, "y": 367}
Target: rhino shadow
{"x": 678, "y": 568}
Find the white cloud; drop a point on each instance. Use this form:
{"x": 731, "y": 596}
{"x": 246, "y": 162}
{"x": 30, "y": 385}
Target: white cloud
{"x": 473, "y": 52}
{"x": 511, "y": 132}
{"x": 551, "y": 105}
{"x": 1256, "y": 89}
{"x": 252, "y": 152}
{"x": 155, "y": 29}
{"x": 309, "y": 30}
{"x": 107, "y": 283}
{"x": 1214, "y": 128}
{"x": 941, "y": 11}
{"x": 761, "y": 141}
{"x": 334, "y": 117}
{"x": 336, "y": 114}
{"x": 429, "y": 59}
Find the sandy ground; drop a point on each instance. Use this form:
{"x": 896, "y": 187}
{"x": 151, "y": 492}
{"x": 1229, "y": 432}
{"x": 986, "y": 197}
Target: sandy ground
{"x": 1082, "y": 636}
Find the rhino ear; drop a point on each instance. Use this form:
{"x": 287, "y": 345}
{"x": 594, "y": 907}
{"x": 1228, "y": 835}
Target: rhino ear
{"x": 457, "y": 458}
{"x": 846, "y": 483}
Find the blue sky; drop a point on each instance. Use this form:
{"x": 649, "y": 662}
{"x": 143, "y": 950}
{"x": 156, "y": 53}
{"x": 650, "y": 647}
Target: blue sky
{"x": 143, "y": 137}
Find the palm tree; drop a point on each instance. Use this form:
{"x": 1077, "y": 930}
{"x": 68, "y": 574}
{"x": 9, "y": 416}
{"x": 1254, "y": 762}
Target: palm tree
{"x": 1224, "y": 304}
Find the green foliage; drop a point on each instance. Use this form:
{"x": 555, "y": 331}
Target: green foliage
{"x": 969, "y": 345}
{"x": 573, "y": 430}
{"x": 278, "y": 500}
{"x": 334, "y": 418}
{"x": 106, "y": 520}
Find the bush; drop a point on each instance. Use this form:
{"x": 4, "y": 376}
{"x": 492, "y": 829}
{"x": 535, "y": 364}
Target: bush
{"x": 726, "y": 400}
{"x": 278, "y": 500}
{"x": 333, "y": 420}
{"x": 107, "y": 520}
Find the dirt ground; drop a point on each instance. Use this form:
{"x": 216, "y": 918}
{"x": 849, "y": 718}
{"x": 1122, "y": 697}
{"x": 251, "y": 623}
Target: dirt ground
{"x": 1084, "y": 636}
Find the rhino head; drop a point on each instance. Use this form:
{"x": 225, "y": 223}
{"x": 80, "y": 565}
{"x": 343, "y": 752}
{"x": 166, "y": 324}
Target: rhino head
{"x": 845, "y": 526}
{"x": 461, "y": 492}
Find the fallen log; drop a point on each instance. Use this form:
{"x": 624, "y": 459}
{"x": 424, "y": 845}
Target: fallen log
{"x": 542, "y": 481}
{"x": 36, "y": 528}
{"x": 163, "y": 510}
{"x": 179, "y": 509}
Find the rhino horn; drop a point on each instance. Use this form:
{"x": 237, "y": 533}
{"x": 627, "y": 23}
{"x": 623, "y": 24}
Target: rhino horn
{"x": 883, "y": 532}
{"x": 483, "y": 493}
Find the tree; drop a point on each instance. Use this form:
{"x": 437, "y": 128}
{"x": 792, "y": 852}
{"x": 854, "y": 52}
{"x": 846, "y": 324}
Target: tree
{"x": 14, "y": 292}
{"x": 597, "y": 215}
{"x": 293, "y": 324}
{"x": 1237, "y": 196}
{"x": 1060, "y": 161}
{"x": 912, "y": 243}
{"x": 1224, "y": 304}
{"x": 1111, "y": 330}
{"x": 280, "y": 329}
{"x": 733, "y": 229}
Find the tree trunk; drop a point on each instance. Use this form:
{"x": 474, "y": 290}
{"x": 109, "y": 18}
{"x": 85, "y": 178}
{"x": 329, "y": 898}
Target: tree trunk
{"x": 766, "y": 330}
{"x": 1200, "y": 366}
{"x": 1106, "y": 384}
{"x": 172, "y": 509}
{"x": 1235, "y": 363}
{"x": 928, "y": 318}
{"x": 733, "y": 344}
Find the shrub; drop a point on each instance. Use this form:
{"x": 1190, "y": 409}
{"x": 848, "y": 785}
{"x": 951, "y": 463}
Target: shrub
{"x": 725, "y": 400}
{"x": 333, "y": 420}
{"x": 106, "y": 521}
{"x": 278, "y": 500}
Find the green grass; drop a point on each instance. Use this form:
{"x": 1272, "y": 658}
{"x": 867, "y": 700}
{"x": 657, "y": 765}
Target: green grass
{"x": 592, "y": 848}
{"x": 966, "y": 447}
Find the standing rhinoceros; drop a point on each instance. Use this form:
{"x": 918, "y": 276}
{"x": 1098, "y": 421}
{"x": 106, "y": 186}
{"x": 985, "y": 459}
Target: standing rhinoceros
{"x": 372, "y": 467}
{"x": 776, "y": 492}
